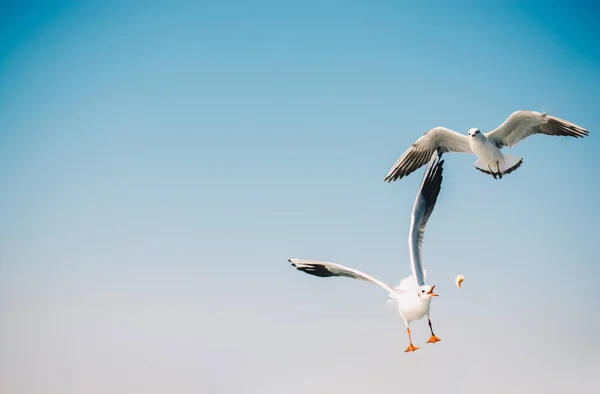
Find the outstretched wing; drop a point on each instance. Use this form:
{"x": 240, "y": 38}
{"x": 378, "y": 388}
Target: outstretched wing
{"x": 440, "y": 139}
{"x": 522, "y": 124}
{"x": 424, "y": 204}
{"x": 325, "y": 269}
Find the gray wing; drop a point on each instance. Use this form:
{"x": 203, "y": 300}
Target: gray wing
{"x": 325, "y": 269}
{"x": 522, "y": 124}
{"x": 424, "y": 204}
{"x": 440, "y": 139}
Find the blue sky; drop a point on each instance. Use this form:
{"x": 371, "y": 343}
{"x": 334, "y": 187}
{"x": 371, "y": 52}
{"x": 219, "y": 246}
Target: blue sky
{"x": 160, "y": 163}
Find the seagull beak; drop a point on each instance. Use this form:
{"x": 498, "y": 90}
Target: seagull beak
{"x": 431, "y": 293}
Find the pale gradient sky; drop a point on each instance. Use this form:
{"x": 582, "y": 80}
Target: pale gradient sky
{"x": 160, "y": 163}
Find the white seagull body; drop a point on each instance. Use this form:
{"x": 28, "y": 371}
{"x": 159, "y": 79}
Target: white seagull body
{"x": 412, "y": 295}
{"x": 487, "y": 147}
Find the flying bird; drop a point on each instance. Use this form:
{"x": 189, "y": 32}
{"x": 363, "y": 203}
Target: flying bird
{"x": 487, "y": 147}
{"x": 412, "y": 295}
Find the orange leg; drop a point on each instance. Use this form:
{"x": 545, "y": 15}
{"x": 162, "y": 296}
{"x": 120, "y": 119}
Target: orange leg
{"x": 411, "y": 347}
{"x": 433, "y": 338}
{"x": 499, "y": 172}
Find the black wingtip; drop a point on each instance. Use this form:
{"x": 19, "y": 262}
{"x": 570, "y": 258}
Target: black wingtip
{"x": 394, "y": 177}
{"x": 432, "y": 182}
{"x": 433, "y": 173}
{"x": 316, "y": 270}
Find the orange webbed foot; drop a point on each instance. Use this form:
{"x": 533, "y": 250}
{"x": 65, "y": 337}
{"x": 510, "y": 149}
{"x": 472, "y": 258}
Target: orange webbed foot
{"x": 411, "y": 348}
{"x": 433, "y": 339}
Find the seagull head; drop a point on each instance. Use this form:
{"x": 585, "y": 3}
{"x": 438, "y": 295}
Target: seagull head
{"x": 473, "y": 132}
{"x": 426, "y": 291}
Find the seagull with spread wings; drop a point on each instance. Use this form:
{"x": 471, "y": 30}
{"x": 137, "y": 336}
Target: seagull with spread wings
{"x": 487, "y": 147}
{"x": 412, "y": 295}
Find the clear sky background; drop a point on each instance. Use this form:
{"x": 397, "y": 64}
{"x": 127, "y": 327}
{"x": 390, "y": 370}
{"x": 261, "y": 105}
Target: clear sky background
{"x": 159, "y": 163}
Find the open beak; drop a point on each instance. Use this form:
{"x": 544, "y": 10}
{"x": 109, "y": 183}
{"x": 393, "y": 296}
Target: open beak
{"x": 431, "y": 293}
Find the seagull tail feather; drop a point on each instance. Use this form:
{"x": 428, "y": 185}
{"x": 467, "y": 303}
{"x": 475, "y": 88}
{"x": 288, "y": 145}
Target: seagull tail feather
{"x": 510, "y": 164}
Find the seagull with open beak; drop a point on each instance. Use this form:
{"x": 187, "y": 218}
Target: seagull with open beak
{"x": 412, "y": 295}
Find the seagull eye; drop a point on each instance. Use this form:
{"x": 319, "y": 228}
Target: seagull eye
{"x": 422, "y": 291}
